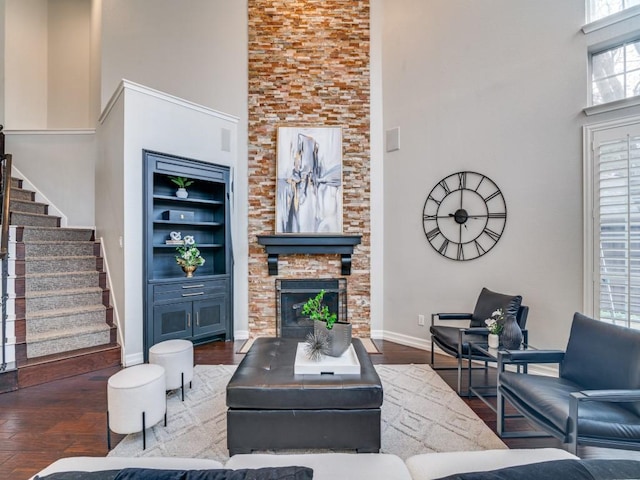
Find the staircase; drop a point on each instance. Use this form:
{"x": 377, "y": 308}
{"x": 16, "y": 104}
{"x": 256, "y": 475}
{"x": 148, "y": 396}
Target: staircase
{"x": 64, "y": 323}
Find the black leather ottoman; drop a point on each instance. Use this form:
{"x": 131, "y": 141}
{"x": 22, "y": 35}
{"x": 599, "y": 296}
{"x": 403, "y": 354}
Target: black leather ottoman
{"x": 270, "y": 408}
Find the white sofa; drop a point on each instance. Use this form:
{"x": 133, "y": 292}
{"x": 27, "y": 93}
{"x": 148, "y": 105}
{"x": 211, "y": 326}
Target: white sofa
{"x": 332, "y": 466}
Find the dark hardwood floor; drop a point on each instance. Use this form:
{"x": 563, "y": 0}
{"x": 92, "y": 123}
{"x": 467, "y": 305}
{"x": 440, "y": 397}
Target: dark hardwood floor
{"x": 67, "y": 417}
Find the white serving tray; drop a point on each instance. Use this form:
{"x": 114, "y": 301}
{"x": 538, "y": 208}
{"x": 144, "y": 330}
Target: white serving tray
{"x": 346, "y": 364}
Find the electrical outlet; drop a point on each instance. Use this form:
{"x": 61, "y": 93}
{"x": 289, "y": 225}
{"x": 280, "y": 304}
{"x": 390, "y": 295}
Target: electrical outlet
{"x": 421, "y": 320}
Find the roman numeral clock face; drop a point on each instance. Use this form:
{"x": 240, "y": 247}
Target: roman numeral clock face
{"x": 464, "y": 216}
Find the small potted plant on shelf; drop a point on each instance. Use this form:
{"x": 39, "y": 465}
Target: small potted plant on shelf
{"x": 189, "y": 257}
{"x": 326, "y": 324}
{"x": 495, "y": 324}
{"x": 182, "y": 183}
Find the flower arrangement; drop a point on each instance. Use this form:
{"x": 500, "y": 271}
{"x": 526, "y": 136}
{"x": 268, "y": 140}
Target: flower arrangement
{"x": 495, "y": 324}
{"x": 189, "y": 255}
{"x": 317, "y": 311}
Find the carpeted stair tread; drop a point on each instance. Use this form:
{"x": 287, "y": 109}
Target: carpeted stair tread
{"x": 22, "y": 194}
{"x": 49, "y": 343}
{"x": 60, "y": 264}
{"x": 40, "y": 233}
{"x": 66, "y": 248}
{"x": 54, "y": 300}
{"x": 27, "y": 206}
{"x": 61, "y": 292}
{"x": 33, "y": 219}
{"x": 35, "y": 282}
{"x": 58, "y": 334}
{"x": 62, "y": 312}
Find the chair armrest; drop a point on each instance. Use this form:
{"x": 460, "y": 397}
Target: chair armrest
{"x": 575, "y": 398}
{"x": 607, "y": 396}
{"x": 525, "y": 357}
{"x": 449, "y": 316}
{"x": 454, "y": 316}
{"x": 475, "y": 330}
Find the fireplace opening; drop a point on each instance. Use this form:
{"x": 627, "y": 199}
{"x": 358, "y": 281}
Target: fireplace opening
{"x": 292, "y": 294}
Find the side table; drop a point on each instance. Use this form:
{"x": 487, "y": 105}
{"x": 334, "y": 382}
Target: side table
{"x": 483, "y": 392}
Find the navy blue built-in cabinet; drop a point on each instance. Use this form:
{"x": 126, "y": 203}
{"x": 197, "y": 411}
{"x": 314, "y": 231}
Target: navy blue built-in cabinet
{"x": 197, "y": 308}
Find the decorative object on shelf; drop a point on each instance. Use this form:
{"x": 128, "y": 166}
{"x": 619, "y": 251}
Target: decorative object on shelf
{"x": 464, "y": 216}
{"x": 178, "y": 215}
{"x": 309, "y": 180}
{"x": 189, "y": 270}
{"x": 189, "y": 257}
{"x": 495, "y": 324}
{"x": 316, "y": 346}
{"x": 175, "y": 238}
{"x": 325, "y": 323}
{"x": 511, "y": 336}
{"x": 182, "y": 183}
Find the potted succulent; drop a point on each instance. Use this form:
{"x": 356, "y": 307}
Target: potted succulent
{"x": 326, "y": 324}
{"x": 182, "y": 183}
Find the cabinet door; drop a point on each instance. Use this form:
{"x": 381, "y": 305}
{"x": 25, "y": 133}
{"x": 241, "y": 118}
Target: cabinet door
{"x": 210, "y": 316}
{"x": 172, "y": 321}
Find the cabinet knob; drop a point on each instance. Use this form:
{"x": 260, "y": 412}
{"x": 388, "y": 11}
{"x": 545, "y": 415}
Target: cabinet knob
{"x": 192, "y": 294}
{"x": 197, "y": 319}
{"x": 188, "y": 319}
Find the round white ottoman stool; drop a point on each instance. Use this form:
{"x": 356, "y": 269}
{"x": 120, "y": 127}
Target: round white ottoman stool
{"x": 136, "y": 399}
{"x": 176, "y": 356}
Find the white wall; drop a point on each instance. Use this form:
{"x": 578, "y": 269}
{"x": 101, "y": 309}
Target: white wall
{"x": 146, "y": 116}
{"x": 377, "y": 174}
{"x": 95, "y": 62}
{"x": 495, "y": 87}
{"x": 46, "y": 64}
{"x": 60, "y": 165}
{"x": 26, "y": 64}
{"x": 3, "y": 7}
{"x": 69, "y": 49}
{"x": 195, "y": 50}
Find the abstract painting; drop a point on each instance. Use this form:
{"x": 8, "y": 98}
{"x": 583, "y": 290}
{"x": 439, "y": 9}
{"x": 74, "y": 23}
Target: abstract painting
{"x": 309, "y": 180}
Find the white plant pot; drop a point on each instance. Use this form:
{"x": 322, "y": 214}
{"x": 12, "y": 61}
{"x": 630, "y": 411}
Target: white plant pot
{"x": 494, "y": 340}
{"x": 182, "y": 193}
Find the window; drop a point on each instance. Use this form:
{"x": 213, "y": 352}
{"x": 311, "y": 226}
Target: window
{"x": 598, "y": 9}
{"x": 615, "y": 73}
{"x": 614, "y": 240}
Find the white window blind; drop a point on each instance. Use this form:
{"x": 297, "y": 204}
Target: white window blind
{"x": 597, "y": 9}
{"x": 617, "y": 225}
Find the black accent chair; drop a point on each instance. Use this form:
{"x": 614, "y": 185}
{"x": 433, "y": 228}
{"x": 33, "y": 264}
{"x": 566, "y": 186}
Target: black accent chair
{"x": 454, "y": 340}
{"x": 595, "y": 400}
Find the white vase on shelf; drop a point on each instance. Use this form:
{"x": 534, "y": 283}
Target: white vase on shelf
{"x": 494, "y": 340}
{"x": 182, "y": 193}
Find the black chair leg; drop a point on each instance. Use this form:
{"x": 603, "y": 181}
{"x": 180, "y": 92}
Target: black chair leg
{"x": 182, "y": 383}
{"x": 144, "y": 433}
{"x": 108, "y": 433}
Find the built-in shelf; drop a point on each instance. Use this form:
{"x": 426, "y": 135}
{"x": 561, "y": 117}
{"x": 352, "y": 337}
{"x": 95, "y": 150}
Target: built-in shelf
{"x": 292, "y": 244}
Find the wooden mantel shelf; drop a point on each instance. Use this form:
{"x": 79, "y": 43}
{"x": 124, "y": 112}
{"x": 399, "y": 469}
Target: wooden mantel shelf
{"x": 309, "y": 244}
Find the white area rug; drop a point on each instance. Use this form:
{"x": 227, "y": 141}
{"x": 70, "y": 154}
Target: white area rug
{"x": 420, "y": 414}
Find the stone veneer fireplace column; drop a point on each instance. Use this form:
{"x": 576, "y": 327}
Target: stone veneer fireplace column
{"x": 308, "y": 66}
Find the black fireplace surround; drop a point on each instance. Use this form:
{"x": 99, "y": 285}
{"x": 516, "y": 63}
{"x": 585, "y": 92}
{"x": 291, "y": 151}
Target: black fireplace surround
{"x": 292, "y": 294}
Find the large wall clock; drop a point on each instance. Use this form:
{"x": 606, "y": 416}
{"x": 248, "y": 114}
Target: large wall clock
{"x": 464, "y": 215}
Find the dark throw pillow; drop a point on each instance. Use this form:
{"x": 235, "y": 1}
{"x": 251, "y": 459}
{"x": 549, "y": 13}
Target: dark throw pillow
{"x": 268, "y": 473}
{"x": 488, "y": 302}
{"x": 560, "y": 469}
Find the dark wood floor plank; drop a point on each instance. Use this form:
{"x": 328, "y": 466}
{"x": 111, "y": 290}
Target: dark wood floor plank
{"x": 67, "y": 417}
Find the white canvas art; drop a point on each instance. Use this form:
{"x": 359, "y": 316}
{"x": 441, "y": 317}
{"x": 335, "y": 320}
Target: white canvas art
{"x": 309, "y": 183}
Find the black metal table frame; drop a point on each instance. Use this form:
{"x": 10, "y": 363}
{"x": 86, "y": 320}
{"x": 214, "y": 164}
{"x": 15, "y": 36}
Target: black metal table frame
{"x": 492, "y": 356}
